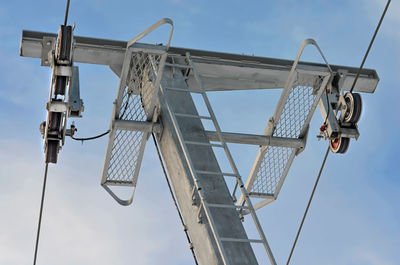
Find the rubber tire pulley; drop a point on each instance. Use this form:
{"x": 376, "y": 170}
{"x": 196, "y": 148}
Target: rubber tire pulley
{"x": 339, "y": 145}
{"x": 354, "y": 107}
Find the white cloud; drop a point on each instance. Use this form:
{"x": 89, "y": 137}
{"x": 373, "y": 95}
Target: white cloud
{"x": 81, "y": 224}
{"x": 370, "y": 258}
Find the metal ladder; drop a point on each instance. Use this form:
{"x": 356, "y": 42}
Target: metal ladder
{"x": 235, "y": 173}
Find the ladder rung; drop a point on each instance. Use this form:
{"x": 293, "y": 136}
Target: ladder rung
{"x": 216, "y": 173}
{"x": 218, "y": 205}
{"x": 177, "y": 89}
{"x": 193, "y": 116}
{"x": 179, "y": 65}
{"x": 245, "y": 240}
{"x": 204, "y": 144}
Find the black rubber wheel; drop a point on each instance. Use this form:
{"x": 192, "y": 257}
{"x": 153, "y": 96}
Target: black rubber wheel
{"x": 339, "y": 145}
{"x": 52, "y": 151}
{"x": 354, "y": 107}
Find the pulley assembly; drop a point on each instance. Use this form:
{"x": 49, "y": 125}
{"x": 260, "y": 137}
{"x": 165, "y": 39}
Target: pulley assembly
{"x": 64, "y": 98}
{"x": 341, "y": 113}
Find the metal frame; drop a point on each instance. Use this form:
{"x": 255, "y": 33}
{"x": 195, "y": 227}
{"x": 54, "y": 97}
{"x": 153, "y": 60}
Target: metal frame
{"x": 225, "y": 67}
{"x": 275, "y": 119}
{"x": 205, "y": 71}
{"x": 197, "y": 185}
{"x": 115, "y": 121}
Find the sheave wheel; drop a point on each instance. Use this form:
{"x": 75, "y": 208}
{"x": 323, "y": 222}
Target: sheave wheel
{"x": 339, "y": 145}
{"x": 354, "y": 107}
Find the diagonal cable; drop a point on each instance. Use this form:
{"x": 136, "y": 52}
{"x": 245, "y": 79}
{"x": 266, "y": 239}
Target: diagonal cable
{"x": 66, "y": 13}
{"x": 308, "y": 206}
{"x": 40, "y": 212}
{"x": 370, "y": 45}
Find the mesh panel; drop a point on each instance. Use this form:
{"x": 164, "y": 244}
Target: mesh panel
{"x": 124, "y": 157}
{"x": 290, "y": 124}
{"x": 128, "y": 146}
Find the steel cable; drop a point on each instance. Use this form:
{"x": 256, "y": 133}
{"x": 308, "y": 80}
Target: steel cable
{"x": 40, "y": 213}
{"x": 369, "y": 47}
{"x": 66, "y": 13}
{"x": 45, "y": 175}
{"x": 308, "y": 206}
{"x": 327, "y": 151}
{"x": 174, "y": 199}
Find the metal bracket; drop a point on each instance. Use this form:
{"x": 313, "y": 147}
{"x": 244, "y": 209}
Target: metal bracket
{"x": 48, "y": 45}
{"x": 75, "y": 102}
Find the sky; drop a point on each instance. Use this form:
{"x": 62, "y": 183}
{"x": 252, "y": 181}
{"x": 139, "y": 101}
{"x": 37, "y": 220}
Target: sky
{"x": 355, "y": 215}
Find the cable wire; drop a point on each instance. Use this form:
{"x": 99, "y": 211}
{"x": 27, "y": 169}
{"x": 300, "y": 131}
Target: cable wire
{"x": 174, "y": 199}
{"x": 327, "y": 151}
{"x": 90, "y": 138}
{"x": 308, "y": 206}
{"x": 369, "y": 47}
{"x": 66, "y": 13}
{"x": 40, "y": 213}
{"x": 45, "y": 175}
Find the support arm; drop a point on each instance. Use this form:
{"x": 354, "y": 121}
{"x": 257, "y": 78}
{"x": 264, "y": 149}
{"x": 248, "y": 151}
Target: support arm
{"x": 215, "y": 68}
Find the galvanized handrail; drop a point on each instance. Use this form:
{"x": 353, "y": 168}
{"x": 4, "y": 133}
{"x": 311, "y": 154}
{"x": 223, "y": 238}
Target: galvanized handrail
{"x": 115, "y": 114}
{"x": 270, "y": 128}
{"x": 151, "y": 29}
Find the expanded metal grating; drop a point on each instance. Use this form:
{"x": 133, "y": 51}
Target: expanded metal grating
{"x": 124, "y": 157}
{"x": 292, "y": 123}
{"x": 127, "y": 147}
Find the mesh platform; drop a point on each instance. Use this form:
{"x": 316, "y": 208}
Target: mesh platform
{"x": 298, "y": 106}
{"x": 126, "y": 147}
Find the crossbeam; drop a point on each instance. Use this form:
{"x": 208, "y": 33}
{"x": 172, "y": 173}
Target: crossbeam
{"x": 254, "y": 139}
{"x": 221, "y": 71}
{"x": 237, "y": 138}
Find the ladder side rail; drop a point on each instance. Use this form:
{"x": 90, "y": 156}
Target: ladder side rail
{"x": 212, "y": 115}
{"x": 232, "y": 163}
{"x": 194, "y": 176}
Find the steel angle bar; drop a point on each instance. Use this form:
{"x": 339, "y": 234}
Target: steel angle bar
{"x": 111, "y": 53}
{"x": 157, "y": 84}
{"x": 291, "y": 118}
{"x": 142, "y": 126}
{"x": 253, "y": 139}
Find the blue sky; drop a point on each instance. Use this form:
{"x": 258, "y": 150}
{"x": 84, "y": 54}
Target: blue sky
{"x": 354, "y": 218}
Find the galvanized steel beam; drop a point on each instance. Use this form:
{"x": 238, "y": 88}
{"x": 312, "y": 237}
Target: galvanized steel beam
{"x": 219, "y": 71}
